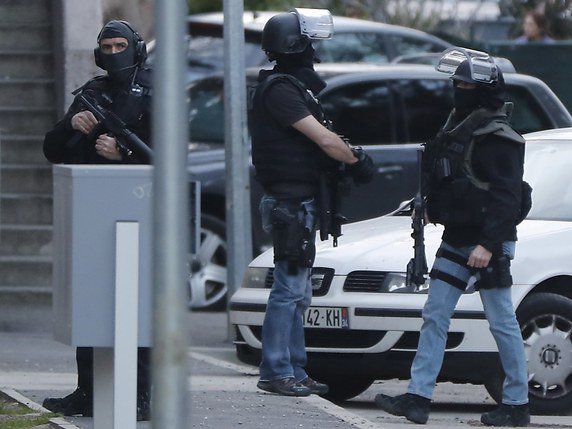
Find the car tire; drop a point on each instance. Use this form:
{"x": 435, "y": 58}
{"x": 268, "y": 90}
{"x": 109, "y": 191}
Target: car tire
{"x": 206, "y": 283}
{"x": 346, "y": 387}
{"x": 493, "y": 383}
{"x": 546, "y": 322}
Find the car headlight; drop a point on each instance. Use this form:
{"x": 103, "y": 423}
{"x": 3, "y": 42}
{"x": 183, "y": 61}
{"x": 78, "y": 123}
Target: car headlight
{"x": 396, "y": 283}
{"x": 255, "y": 277}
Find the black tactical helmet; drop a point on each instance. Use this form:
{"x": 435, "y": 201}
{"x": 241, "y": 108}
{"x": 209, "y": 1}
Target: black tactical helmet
{"x": 282, "y": 35}
{"x": 463, "y": 73}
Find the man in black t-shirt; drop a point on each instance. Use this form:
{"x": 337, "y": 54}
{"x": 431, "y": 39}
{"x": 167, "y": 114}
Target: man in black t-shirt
{"x": 291, "y": 147}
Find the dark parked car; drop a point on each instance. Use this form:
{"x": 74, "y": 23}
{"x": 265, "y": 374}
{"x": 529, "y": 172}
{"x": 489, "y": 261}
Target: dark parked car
{"x": 389, "y": 110}
{"x": 354, "y": 40}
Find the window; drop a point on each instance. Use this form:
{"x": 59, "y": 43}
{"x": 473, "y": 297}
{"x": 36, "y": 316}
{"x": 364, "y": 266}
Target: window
{"x": 423, "y": 106}
{"x": 406, "y": 45}
{"x": 527, "y": 115}
{"x": 362, "y": 112}
{"x": 353, "y": 47}
{"x": 206, "y": 114}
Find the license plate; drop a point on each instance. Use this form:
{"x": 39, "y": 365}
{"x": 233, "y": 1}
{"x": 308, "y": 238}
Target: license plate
{"x": 327, "y": 317}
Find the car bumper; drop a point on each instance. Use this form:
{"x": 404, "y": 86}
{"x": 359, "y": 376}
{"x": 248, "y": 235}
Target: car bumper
{"x": 378, "y": 322}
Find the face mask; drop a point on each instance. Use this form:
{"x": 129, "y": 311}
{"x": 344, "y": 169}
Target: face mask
{"x": 120, "y": 66}
{"x": 465, "y": 100}
{"x": 308, "y": 57}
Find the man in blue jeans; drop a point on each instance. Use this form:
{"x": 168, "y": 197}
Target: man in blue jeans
{"x": 291, "y": 147}
{"x": 473, "y": 181}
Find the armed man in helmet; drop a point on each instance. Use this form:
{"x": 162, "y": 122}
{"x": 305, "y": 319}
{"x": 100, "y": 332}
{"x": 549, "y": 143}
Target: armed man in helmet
{"x": 291, "y": 146}
{"x": 473, "y": 181}
{"x": 80, "y": 139}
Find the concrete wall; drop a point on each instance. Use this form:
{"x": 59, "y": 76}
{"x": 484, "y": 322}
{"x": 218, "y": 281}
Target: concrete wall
{"x": 76, "y": 26}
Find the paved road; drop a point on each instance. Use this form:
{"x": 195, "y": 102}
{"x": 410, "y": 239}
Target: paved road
{"x": 222, "y": 391}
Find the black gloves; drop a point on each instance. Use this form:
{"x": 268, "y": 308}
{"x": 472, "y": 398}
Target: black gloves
{"x": 363, "y": 170}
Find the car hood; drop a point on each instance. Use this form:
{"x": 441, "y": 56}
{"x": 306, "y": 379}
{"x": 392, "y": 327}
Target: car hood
{"x": 385, "y": 244}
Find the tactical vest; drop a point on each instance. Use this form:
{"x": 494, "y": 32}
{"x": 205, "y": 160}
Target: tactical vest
{"x": 129, "y": 102}
{"x": 283, "y": 155}
{"x": 455, "y": 195}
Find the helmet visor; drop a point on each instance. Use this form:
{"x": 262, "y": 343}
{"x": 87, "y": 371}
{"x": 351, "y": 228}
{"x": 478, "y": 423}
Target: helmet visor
{"x": 316, "y": 24}
{"x": 482, "y": 66}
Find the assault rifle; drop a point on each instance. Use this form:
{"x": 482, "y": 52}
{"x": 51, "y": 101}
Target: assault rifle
{"x": 115, "y": 125}
{"x": 417, "y": 266}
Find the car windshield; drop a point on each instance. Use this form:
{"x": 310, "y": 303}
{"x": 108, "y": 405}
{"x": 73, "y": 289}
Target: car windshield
{"x": 547, "y": 169}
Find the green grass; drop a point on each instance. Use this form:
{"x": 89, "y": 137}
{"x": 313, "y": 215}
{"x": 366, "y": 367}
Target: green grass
{"x": 26, "y": 422}
{"x": 14, "y": 415}
{"x": 11, "y": 408}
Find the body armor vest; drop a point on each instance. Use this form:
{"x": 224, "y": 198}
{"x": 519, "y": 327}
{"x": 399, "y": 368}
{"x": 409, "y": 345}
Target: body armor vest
{"x": 283, "y": 155}
{"x": 455, "y": 195}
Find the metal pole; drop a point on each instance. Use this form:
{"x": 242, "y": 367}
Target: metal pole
{"x": 238, "y": 219}
{"x": 170, "y": 234}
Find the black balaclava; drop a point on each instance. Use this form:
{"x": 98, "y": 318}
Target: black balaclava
{"x": 119, "y": 66}
{"x": 301, "y": 66}
{"x": 465, "y": 100}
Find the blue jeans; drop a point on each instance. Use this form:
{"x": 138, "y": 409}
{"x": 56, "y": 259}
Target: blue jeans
{"x": 283, "y": 347}
{"x": 499, "y": 312}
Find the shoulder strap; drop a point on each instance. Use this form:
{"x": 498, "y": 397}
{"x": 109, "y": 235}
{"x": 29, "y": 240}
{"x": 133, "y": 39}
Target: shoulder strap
{"x": 96, "y": 79}
{"x": 260, "y": 88}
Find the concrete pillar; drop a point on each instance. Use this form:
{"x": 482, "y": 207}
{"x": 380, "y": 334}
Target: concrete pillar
{"x": 76, "y": 26}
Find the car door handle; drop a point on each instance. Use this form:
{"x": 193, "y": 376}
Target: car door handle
{"x": 389, "y": 169}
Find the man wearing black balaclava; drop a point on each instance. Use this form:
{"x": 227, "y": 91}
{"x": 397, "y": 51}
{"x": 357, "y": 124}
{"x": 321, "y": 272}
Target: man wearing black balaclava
{"x": 79, "y": 139}
{"x": 473, "y": 181}
{"x": 291, "y": 148}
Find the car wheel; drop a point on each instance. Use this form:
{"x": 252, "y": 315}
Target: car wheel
{"x": 207, "y": 269}
{"x": 546, "y": 324}
{"x": 342, "y": 387}
{"x": 494, "y": 382}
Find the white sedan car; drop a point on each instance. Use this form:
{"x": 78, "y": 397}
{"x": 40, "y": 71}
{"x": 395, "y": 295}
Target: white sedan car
{"x": 364, "y": 322}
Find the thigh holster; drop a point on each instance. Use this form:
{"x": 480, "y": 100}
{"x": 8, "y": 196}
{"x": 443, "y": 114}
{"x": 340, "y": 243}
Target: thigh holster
{"x": 291, "y": 238}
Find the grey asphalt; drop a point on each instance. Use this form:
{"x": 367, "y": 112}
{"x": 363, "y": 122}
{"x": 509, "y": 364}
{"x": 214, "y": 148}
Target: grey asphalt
{"x": 222, "y": 391}
{"x": 220, "y": 395}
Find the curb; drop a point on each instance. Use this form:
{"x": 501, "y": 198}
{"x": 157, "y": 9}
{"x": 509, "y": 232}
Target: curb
{"x": 56, "y": 422}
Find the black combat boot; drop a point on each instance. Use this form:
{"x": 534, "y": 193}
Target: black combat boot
{"x": 414, "y": 408}
{"x": 76, "y": 403}
{"x": 507, "y": 415}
